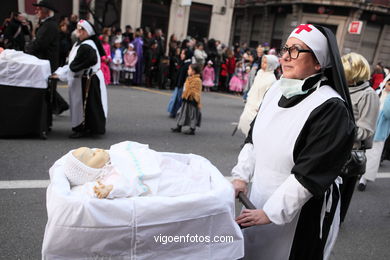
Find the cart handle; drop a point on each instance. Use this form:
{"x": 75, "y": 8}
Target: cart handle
{"x": 245, "y": 201}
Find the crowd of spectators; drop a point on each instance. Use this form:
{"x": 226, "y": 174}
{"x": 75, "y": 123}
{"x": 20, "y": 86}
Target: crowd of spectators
{"x": 145, "y": 57}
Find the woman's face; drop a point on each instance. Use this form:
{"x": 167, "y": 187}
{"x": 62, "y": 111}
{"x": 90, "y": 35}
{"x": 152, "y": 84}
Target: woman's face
{"x": 302, "y": 67}
{"x": 82, "y": 33}
{"x": 264, "y": 63}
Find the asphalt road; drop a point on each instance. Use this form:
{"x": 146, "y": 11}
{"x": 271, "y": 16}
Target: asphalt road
{"x": 140, "y": 115}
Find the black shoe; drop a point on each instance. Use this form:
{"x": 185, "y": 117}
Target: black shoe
{"x": 361, "y": 187}
{"x": 76, "y": 135}
{"x": 176, "y": 129}
{"x": 191, "y": 131}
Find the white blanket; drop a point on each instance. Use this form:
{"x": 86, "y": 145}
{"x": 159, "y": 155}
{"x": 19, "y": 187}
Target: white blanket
{"x": 189, "y": 198}
{"x": 23, "y": 70}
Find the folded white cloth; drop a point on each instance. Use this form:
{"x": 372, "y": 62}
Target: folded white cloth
{"x": 19, "y": 69}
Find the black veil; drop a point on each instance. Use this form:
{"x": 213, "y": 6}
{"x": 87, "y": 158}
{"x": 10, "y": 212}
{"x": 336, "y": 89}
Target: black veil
{"x": 335, "y": 73}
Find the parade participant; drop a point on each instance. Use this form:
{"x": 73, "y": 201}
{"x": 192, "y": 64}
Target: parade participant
{"x": 381, "y": 134}
{"x": 189, "y": 114}
{"x": 87, "y": 91}
{"x": 46, "y": 43}
{"x": 262, "y": 82}
{"x": 365, "y": 104}
{"x": 295, "y": 150}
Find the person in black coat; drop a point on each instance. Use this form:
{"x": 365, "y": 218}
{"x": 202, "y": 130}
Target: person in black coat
{"x": 176, "y": 99}
{"x": 45, "y": 46}
{"x": 15, "y": 32}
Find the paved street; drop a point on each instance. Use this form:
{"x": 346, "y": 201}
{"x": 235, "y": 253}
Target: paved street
{"x": 139, "y": 114}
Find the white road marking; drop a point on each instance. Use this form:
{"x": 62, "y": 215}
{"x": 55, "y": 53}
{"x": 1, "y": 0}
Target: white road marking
{"x": 383, "y": 175}
{"x": 24, "y": 184}
{"x": 42, "y": 184}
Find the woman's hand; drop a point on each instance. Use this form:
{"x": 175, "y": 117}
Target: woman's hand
{"x": 251, "y": 217}
{"x": 240, "y": 185}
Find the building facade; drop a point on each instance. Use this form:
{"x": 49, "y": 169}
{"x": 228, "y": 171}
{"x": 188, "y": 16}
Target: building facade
{"x": 361, "y": 26}
{"x": 196, "y": 18}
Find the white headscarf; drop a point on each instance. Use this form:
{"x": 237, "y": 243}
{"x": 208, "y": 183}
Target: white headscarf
{"x": 315, "y": 40}
{"x": 87, "y": 27}
{"x": 272, "y": 62}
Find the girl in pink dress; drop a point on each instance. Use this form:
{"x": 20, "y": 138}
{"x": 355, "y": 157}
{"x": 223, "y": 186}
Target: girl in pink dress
{"x": 208, "y": 76}
{"x": 130, "y": 59}
{"x": 236, "y": 83}
{"x": 105, "y": 60}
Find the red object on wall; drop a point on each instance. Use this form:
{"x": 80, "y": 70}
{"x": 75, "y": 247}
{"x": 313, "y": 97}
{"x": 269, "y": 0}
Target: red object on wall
{"x": 29, "y": 8}
{"x": 355, "y": 27}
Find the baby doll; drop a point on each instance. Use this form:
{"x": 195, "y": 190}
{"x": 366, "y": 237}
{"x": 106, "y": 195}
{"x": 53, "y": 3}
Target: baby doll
{"x": 92, "y": 167}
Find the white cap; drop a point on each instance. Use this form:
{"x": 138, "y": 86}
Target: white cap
{"x": 315, "y": 40}
{"x": 87, "y": 26}
{"x": 77, "y": 172}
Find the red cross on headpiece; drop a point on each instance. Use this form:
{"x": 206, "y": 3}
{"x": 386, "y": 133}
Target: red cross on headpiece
{"x": 302, "y": 27}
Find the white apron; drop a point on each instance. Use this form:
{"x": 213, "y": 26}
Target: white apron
{"x": 74, "y": 82}
{"x": 274, "y": 135}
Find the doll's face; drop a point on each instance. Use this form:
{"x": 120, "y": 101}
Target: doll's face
{"x": 95, "y": 158}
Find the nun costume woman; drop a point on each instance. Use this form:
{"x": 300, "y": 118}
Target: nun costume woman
{"x": 87, "y": 90}
{"x": 296, "y": 147}
{"x": 262, "y": 82}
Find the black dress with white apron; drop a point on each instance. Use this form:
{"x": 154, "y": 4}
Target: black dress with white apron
{"x": 88, "y": 111}
{"x": 299, "y": 149}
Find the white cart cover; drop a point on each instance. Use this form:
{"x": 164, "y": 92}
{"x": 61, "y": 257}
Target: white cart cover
{"x": 23, "y": 70}
{"x": 82, "y": 227}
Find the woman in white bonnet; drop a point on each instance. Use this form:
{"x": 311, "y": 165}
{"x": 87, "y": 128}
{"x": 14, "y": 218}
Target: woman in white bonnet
{"x": 87, "y": 89}
{"x": 263, "y": 81}
{"x": 296, "y": 147}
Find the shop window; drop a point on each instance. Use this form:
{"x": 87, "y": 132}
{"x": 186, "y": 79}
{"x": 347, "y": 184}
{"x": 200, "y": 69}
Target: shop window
{"x": 155, "y": 15}
{"x": 277, "y": 32}
{"x": 237, "y": 29}
{"x": 199, "y": 21}
{"x": 256, "y": 31}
